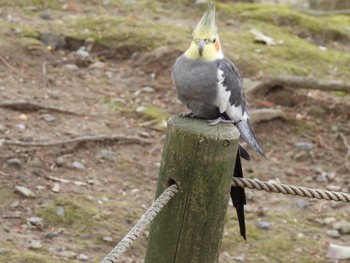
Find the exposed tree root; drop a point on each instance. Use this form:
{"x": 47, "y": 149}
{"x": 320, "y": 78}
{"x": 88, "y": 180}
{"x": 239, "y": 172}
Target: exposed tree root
{"x": 266, "y": 115}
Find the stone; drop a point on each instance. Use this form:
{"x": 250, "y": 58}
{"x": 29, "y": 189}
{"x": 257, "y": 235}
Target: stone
{"x": 83, "y": 257}
{"x": 333, "y": 233}
{"x": 107, "y": 239}
{"x": 60, "y": 211}
{"x": 60, "y": 161}
{"x": 37, "y": 222}
{"x": 328, "y": 220}
{"x": 48, "y": 118}
{"x": 321, "y": 178}
{"x": 14, "y": 162}
{"x": 342, "y": 226}
{"x": 304, "y": 145}
{"x": 35, "y": 244}
{"x": 106, "y": 155}
{"x": 2, "y": 128}
{"x": 78, "y": 165}
{"x": 302, "y": 203}
{"x": 71, "y": 67}
{"x": 26, "y": 192}
{"x": 97, "y": 65}
{"x": 20, "y": 126}
{"x": 263, "y": 225}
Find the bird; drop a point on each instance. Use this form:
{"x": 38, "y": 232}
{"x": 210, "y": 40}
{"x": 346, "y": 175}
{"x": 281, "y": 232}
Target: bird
{"x": 210, "y": 85}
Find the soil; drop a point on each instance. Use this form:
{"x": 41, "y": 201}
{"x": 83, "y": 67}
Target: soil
{"x": 106, "y": 196}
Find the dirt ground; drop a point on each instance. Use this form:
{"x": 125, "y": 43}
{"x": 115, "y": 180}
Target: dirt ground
{"x": 89, "y": 194}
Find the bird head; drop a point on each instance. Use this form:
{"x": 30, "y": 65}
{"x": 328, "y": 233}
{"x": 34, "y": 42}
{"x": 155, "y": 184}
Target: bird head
{"x": 205, "y": 43}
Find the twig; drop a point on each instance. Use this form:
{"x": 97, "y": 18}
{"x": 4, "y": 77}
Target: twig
{"x": 9, "y": 66}
{"x": 121, "y": 139}
{"x": 347, "y": 145}
{"x": 26, "y": 105}
{"x": 262, "y": 87}
{"x": 262, "y": 115}
{"x": 44, "y": 72}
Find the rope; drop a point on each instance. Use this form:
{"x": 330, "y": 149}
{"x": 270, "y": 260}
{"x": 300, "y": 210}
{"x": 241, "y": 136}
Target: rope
{"x": 140, "y": 226}
{"x": 291, "y": 190}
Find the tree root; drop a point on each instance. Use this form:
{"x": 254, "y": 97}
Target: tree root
{"x": 26, "y": 105}
{"x": 121, "y": 139}
{"x": 263, "y": 87}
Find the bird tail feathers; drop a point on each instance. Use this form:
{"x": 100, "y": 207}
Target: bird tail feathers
{"x": 249, "y": 136}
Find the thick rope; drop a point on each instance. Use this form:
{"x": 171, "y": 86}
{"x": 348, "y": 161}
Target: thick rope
{"x": 141, "y": 225}
{"x": 291, "y": 190}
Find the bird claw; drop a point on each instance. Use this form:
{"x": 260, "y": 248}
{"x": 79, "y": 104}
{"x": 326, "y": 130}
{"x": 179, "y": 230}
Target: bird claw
{"x": 187, "y": 115}
{"x": 219, "y": 120}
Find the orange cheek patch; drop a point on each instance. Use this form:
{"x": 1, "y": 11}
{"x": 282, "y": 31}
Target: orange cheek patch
{"x": 217, "y": 45}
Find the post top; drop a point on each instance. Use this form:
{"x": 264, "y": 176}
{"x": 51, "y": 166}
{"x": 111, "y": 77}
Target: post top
{"x": 222, "y": 131}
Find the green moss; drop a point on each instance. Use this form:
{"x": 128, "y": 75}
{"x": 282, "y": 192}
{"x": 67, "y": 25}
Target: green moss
{"x": 123, "y": 35}
{"x": 321, "y": 28}
{"x": 6, "y": 196}
{"x": 54, "y": 4}
{"x": 79, "y": 213}
{"x": 22, "y": 256}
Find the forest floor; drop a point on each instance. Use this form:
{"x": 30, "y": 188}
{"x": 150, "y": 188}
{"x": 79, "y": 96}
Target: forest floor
{"x": 80, "y": 198}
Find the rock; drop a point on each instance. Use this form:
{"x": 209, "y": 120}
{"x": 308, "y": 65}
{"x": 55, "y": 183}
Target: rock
{"x": 60, "y": 211}
{"x": 35, "y": 244}
{"x": 20, "y": 126}
{"x": 2, "y": 128}
{"x": 46, "y": 15}
{"x": 37, "y": 222}
{"x": 106, "y": 155}
{"x": 148, "y": 89}
{"x": 328, "y": 220}
{"x": 342, "y": 226}
{"x": 304, "y": 145}
{"x": 50, "y": 235}
{"x": 333, "y": 233}
{"x": 107, "y": 239}
{"x": 56, "y": 188}
{"x": 83, "y": 257}
{"x": 48, "y": 118}
{"x": 321, "y": 178}
{"x": 67, "y": 254}
{"x": 26, "y": 192}
{"x": 263, "y": 225}
{"x": 78, "y": 165}
{"x": 302, "y": 203}
{"x": 97, "y": 65}
{"x": 14, "y": 162}
{"x": 14, "y": 204}
{"x": 71, "y": 67}
{"x": 38, "y": 171}
{"x": 301, "y": 155}
{"x": 82, "y": 53}
{"x": 60, "y": 161}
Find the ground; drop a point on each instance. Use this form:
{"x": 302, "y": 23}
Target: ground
{"x": 90, "y": 194}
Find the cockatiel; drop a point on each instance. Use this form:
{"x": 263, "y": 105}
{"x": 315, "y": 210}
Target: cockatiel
{"x": 210, "y": 85}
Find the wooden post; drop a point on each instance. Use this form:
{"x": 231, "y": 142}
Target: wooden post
{"x": 200, "y": 159}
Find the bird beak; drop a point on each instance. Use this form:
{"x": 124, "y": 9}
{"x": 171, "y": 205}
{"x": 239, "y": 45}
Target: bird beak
{"x": 201, "y": 44}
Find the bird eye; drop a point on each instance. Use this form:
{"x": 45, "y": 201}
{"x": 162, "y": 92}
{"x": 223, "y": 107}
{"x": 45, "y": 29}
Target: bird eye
{"x": 214, "y": 40}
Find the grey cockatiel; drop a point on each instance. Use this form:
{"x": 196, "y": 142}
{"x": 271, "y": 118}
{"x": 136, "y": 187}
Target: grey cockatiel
{"x": 210, "y": 85}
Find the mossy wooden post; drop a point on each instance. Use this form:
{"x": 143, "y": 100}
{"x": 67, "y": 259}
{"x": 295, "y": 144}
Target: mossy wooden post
{"x": 200, "y": 159}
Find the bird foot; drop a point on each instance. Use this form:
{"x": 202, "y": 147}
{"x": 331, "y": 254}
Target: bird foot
{"x": 187, "y": 115}
{"x": 219, "y": 120}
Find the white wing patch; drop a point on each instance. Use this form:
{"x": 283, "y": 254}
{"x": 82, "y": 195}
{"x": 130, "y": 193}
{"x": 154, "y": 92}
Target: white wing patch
{"x": 223, "y": 101}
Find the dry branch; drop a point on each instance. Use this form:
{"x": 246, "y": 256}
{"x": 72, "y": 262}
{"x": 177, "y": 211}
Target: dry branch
{"x": 26, "y": 105}
{"x": 121, "y": 139}
{"x": 262, "y": 87}
{"x": 266, "y": 115}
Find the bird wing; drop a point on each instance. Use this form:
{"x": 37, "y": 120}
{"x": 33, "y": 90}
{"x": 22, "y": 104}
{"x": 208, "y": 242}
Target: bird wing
{"x": 230, "y": 96}
{"x": 231, "y": 101}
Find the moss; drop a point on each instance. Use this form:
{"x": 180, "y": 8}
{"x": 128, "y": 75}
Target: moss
{"x": 321, "y": 28}
{"x": 42, "y": 4}
{"x": 6, "y": 196}
{"x": 22, "y": 256}
{"x": 79, "y": 213}
{"x": 124, "y": 35}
